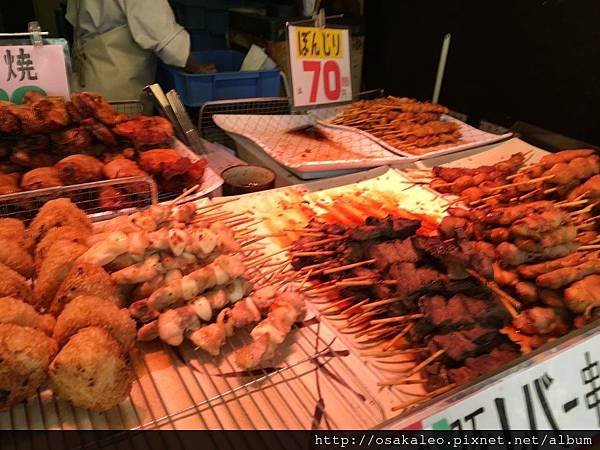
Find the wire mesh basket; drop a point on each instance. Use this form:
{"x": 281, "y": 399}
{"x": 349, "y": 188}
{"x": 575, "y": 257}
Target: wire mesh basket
{"x": 129, "y": 107}
{"x": 100, "y": 199}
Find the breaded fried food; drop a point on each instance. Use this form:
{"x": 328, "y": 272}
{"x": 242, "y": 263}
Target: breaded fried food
{"x": 85, "y": 279}
{"x": 13, "y": 255}
{"x": 17, "y": 312}
{"x": 25, "y": 354}
{"x": 56, "y": 266}
{"x": 73, "y": 233}
{"x": 90, "y": 311}
{"x": 91, "y": 371}
{"x": 56, "y": 213}
{"x": 14, "y": 230}
{"x": 15, "y": 285}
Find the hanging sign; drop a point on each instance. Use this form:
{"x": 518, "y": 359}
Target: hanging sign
{"x": 320, "y": 65}
{"x": 26, "y": 68}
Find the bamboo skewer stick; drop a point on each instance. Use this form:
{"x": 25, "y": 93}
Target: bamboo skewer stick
{"x": 414, "y": 370}
{"x": 522, "y": 183}
{"x": 356, "y": 306}
{"x": 383, "y": 302}
{"x": 316, "y": 253}
{"x": 185, "y": 194}
{"x": 215, "y": 205}
{"x": 590, "y": 247}
{"x": 405, "y": 318}
{"x": 399, "y": 336}
{"x": 335, "y": 305}
{"x": 386, "y": 353}
{"x": 425, "y": 397}
{"x": 315, "y": 266}
{"x": 323, "y": 241}
{"x": 507, "y": 301}
{"x": 565, "y": 204}
{"x": 253, "y": 263}
{"x": 348, "y": 266}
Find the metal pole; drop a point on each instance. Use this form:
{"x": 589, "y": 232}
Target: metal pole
{"x": 441, "y": 68}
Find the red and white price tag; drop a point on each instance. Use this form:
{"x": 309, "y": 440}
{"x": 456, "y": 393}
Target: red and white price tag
{"x": 320, "y": 65}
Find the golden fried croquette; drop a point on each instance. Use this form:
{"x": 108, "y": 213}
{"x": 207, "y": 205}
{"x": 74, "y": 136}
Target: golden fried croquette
{"x": 90, "y": 311}
{"x": 13, "y": 255}
{"x": 17, "y": 312}
{"x": 15, "y": 285}
{"x": 14, "y": 230}
{"x": 25, "y": 354}
{"x": 91, "y": 371}
{"x": 56, "y": 266}
{"x": 73, "y": 233}
{"x": 85, "y": 279}
{"x": 56, "y": 213}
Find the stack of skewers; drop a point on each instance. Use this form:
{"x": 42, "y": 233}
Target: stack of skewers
{"x": 404, "y": 123}
{"x": 409, "y": 298}
{"x": 185, "y": 268}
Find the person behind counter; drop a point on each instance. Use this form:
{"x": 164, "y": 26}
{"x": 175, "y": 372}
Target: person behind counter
{"x": 116, "y": 44}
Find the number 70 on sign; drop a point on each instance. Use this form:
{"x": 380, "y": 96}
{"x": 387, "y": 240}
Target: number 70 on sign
{"x": 320, "y": 65}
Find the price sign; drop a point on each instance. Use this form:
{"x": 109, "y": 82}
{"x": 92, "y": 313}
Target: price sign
{"x": 320, "y": 65}
{"x": 561, "y": 392}
{"x": 27, "y": 68}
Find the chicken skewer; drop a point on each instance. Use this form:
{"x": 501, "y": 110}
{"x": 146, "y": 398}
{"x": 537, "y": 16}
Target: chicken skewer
{"x": 287, "y": 309}
{"x": 174, "y": 324}
{"x": 221, "y": 271}
{"x": 197, "y": 241}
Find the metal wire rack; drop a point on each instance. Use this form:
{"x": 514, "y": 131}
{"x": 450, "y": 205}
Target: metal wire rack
{"x": 129, "y": 107}
{"x": 99, "y": 199}
{"x": 177, "y": 389}
{"x": 264, "y": 105}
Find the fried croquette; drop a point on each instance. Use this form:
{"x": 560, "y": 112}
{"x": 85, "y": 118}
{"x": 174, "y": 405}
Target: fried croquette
{"x": 73, "y": 233}
{"x": 91, "y": 371}
{"x": 14, "y": 230}
{"x": 89, "y": 311}
{"x": 15, "y": 285}
{"x": 56, "y": 213}
{"x": 17, "y": 312}
{"x": 13, "y": 255}
{"x": 56, "y": 266}
{"x": 85, "y": 279}
{"x": 25, "y": 354}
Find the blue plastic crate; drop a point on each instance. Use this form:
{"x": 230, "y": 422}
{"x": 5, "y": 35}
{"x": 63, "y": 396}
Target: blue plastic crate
{"x": 228, "y": 83}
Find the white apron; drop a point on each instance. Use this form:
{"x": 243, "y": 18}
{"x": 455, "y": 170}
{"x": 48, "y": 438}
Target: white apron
{"x": 114, "y": 65}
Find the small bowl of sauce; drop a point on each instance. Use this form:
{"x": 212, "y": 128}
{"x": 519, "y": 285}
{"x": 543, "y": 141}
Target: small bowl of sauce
{"x": 239, "y": 180}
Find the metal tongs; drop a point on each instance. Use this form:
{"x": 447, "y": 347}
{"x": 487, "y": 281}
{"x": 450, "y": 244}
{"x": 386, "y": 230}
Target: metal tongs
{"x": 192, "y": 135}
{"x": 171, "y": 107}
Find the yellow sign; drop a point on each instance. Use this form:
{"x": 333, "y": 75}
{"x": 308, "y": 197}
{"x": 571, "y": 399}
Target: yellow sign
{"x": 319, "y": 43}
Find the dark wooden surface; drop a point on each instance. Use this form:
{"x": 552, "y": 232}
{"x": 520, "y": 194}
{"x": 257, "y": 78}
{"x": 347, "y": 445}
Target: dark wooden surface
{"x": 511, "y": 60}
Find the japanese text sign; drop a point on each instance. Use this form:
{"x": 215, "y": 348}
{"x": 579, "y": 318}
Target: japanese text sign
{"x": 320, "y": 65}
{"x": 559, "y": 393}
{"x": 25, "y": 68}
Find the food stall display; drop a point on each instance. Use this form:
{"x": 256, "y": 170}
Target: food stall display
{"x": 344, "y": 303}
{"x": 47, "y": 142}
